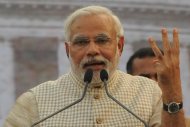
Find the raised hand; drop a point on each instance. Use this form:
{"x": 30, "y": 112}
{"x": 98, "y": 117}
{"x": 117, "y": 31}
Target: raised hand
{"x": 167, "y": 66}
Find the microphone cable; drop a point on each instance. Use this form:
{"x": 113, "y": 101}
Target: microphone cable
{"x": 104, "y": 78}
{"x": 87, "y": 79}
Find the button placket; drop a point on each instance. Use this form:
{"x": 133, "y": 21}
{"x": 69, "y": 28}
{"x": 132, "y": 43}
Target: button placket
{"x": 97, "y": 93}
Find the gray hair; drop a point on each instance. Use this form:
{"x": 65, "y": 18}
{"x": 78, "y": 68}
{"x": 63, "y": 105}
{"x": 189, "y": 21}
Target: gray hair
{"x": 91, "y": 10}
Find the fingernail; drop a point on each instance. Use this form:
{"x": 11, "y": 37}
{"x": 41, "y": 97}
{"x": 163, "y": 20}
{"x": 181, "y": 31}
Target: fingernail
{"x": 175, "y": 30}
{"x": 150, "y": 39}
{"x": 164, "y": 30}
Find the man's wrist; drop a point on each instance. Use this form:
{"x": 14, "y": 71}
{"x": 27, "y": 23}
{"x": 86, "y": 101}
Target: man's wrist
{"x": 172, "y": 107}
{"x": 168, "y": 97}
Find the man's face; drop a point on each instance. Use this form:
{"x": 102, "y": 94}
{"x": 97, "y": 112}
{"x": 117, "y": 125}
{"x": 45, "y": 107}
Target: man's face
{"x": 93, "y": 45}
{"x": 145, "y": 67}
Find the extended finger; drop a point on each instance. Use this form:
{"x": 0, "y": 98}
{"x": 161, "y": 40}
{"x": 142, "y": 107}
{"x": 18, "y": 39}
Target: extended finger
{"x": 175, "y": 46}
{"x": 165, "y": 41}
{"x": 175, "y": 43}
{"x": 155, "y": 48}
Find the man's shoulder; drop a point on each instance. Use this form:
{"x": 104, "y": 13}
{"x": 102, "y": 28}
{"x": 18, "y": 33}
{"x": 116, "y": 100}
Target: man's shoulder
{"x": 52, "y": 83}
{"x": 130, "y": 77}
{"x": 137, "y": 81}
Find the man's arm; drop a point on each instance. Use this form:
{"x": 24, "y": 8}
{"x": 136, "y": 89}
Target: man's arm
{"x": 168, "y": 71}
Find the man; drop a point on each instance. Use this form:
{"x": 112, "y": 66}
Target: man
{"x": 142, "y": 63}
{"x": 91, "y": 42}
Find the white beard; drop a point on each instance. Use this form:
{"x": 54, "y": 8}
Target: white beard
{"x": 109, "y": 67}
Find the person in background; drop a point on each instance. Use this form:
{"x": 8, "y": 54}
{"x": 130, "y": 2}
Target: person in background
{"x": 94, "y": 40}
{"x": 141, "y": 63}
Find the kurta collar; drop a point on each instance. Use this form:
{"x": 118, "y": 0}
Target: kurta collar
{"x": 79, "y": 82}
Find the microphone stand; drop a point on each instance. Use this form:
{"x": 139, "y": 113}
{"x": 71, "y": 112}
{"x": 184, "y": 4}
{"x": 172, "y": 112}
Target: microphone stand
{"x": 77, "y": 101}
{"x": 119, "y": 103}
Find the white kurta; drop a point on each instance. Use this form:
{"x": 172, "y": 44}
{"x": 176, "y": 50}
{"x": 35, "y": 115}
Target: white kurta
{"x": 139, "y": 94}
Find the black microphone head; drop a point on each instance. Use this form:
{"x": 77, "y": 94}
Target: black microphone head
{"x": 104, "y": 75}
{"x": 88, "y": 75}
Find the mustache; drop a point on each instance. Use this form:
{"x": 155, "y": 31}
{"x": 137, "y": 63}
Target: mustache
{"x": 93, "y": 61}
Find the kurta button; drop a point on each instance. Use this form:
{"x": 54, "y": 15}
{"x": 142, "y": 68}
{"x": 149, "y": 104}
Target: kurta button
{"x": 96, "y": 96}
{"x": 99, "y": 120}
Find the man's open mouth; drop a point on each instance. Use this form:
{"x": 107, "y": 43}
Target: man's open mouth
{"x": 94, "y": 63}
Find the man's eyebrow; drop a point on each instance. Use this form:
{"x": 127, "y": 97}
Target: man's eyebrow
{"x": 78, "y": 37}
{"x": 102, "y": 35}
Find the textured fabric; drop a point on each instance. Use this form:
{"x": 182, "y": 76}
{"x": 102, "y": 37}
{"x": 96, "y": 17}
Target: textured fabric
{"x": 24, "y": 112}
{"x": 140, "y": 95}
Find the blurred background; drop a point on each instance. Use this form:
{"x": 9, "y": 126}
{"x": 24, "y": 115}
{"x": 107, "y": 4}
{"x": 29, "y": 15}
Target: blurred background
{"x": 32, "y": 42}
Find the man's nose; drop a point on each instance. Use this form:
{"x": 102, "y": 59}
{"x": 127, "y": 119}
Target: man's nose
{"x": 93, "y": 49}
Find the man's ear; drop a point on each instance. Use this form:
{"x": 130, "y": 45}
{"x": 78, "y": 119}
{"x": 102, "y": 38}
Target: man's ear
{"x": 67, "y": 48}
{"x": 121, "y": 44}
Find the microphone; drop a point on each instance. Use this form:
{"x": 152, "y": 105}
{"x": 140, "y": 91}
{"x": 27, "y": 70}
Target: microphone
{"x": 104, "y": 78}
{"x": 87, "y": 79}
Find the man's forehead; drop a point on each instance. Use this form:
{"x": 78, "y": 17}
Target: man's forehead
{"x": 91, "y": 24}
{"x": 101, "y": 34}
{"x": 143, "y": 65}
{"x": 144, "y": 60}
